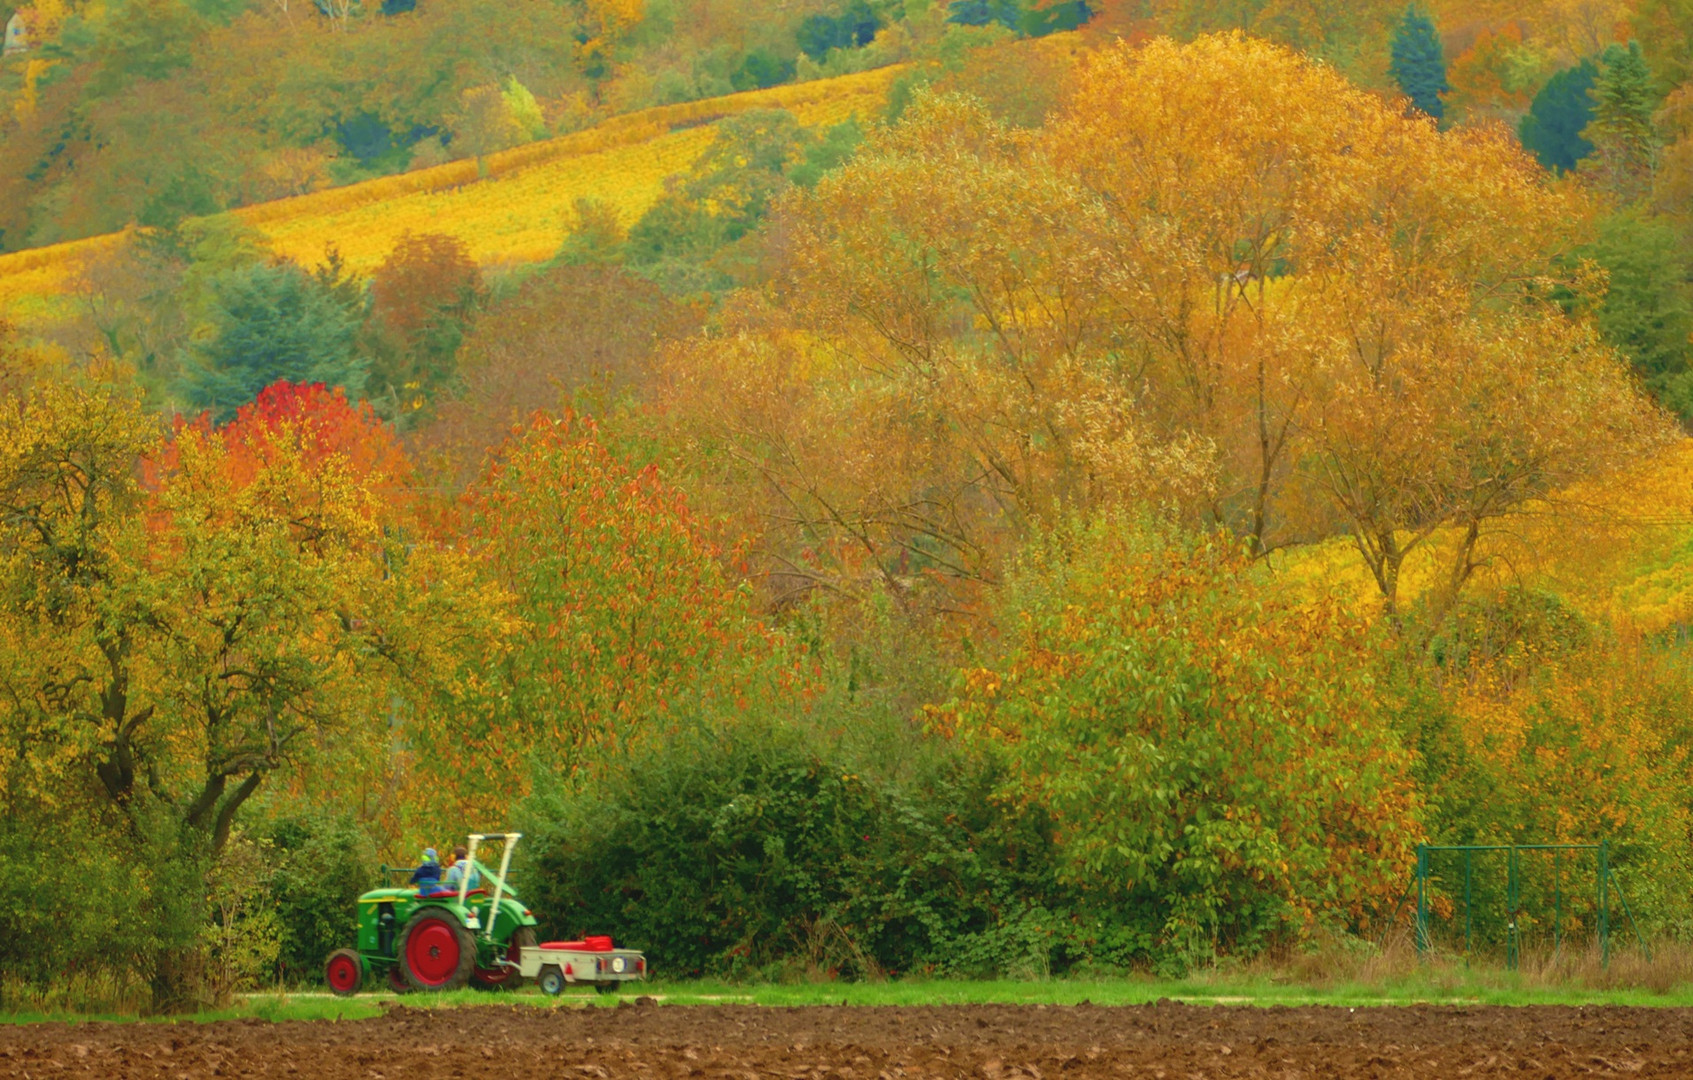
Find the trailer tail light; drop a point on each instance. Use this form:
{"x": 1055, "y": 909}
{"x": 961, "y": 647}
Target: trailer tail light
{"x": 570, "y": 970}
{"x": 641, "y": 965}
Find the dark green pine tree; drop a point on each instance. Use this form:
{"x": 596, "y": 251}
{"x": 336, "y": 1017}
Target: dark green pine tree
{"x": 271, "y": 323}
{"x": 1007, "y": 13}
{"x": 1552, "y": 129}
{"x": 1647, "y": 309}
{"x": 1419, "y": 63}
{"x": 1622, "y": 131}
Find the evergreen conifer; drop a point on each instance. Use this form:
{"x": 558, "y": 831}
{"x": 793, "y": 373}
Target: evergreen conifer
{"x": 1007, "y": 13}
{"x": 1552, "y": 129}
{"x": 1419, "y": 63}
{"x": 1622, "y": 131}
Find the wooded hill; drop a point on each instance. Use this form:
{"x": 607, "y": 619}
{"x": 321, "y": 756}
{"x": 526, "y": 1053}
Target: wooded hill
{"x": 1099, "y": 511}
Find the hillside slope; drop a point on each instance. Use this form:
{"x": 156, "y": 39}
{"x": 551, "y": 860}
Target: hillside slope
{"x": 517, "y": 212}
{"x": 1619, "y": 550}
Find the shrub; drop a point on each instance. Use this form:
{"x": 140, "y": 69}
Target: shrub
{"x": 319, "y": 864}
{"x": 1209, "y": 748}
{"x": 761, "y": 68}
{"x": 743, "y": 849}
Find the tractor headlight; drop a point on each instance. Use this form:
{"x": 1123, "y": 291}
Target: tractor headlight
{"x": 617, "y": 964}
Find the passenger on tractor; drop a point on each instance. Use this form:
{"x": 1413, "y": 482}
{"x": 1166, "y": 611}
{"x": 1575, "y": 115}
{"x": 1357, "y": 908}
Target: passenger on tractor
{"x": 428, "y": 873}
{"x": 461, "y": 867}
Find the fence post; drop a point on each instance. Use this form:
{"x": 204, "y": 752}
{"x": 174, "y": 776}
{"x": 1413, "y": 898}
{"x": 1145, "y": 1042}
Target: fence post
{"x": 1557, "y": 900}
{"x": 1639, "y": 938}
{"x": 1604, "y": 915}
{"x": 1469, "y": 922}
{"x": 1422, "y": 901}
{"x": 1511, "y": 908}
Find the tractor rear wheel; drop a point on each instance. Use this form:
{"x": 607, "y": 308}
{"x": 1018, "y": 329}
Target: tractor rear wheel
{"x": 436, "y": 951}
{"x": 343, "y": 971}
{"x": 504, "y": 978}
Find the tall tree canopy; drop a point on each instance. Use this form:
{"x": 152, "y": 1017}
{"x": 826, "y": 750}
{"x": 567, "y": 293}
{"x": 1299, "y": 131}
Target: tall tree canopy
{"x": 1321, "y": 318}
{"x": 190, "y": 617}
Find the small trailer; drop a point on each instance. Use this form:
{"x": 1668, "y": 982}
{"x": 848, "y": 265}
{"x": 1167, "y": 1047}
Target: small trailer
{"x": 557, "y": 964}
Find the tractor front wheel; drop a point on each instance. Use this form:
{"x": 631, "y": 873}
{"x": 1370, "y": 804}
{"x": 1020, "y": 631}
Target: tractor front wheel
{"x": 397, "y": 980}
{"x": 343, "y": 971}
{"x": 436, "y": 951}
{"x": 502, "y": 978}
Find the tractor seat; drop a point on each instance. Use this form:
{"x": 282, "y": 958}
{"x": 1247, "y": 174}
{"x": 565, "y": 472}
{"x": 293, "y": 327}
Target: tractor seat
{"x": 436, "y": 892}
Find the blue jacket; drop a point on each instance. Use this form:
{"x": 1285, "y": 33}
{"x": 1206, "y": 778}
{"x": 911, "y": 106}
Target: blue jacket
{"x": 426, "y": 874}
{"x": 455, "y": 871}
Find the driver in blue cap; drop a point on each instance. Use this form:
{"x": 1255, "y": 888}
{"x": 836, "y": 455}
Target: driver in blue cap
{"x": 428, "y": 873}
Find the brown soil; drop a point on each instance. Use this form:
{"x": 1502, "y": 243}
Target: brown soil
{"x": 1177, "y": 1042}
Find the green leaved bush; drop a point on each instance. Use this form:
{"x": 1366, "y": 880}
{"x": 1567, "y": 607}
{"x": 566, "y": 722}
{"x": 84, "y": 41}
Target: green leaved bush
{"x": 1207, "y": 745}
{"x": 746, "y": 850}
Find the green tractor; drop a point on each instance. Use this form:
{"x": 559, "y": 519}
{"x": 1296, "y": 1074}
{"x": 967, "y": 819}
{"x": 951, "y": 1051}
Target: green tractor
{"x": 421, "y": 938}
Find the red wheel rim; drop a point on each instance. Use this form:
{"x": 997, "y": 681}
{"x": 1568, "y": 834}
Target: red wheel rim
{"x": 497, "y": 976}
{"x": 432, "y": 952}
{"x": 343, "y": 974}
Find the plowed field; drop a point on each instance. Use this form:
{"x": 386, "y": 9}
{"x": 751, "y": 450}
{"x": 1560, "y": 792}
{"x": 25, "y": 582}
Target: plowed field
{"x": 865, "y": 1043}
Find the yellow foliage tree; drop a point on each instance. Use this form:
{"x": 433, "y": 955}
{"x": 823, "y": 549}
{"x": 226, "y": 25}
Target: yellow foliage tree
{"x": 1293, "y": 314}
{"x": 187, "y": 618}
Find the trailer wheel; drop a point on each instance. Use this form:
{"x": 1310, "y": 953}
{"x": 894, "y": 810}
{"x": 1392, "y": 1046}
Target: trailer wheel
{"x": 506, "y": 978}
{"x": 436, "y": 951}
{"x": 607, "y": 987}
{"x": 550, "y": 980}
{"x": 343, "y": 971}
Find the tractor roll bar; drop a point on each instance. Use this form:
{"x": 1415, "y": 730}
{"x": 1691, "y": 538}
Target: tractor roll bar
{"x": 511, "y": 840}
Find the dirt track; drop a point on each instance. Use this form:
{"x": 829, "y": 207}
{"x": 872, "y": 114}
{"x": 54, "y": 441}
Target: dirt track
{"x": 1176, "y": 1042}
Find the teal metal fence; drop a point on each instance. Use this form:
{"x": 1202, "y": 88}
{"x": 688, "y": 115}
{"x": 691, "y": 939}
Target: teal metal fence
{"x": 1563, "y": 888}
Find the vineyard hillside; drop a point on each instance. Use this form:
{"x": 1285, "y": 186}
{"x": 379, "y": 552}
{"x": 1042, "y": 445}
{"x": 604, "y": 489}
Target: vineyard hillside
{"x": 1617, "y": 551}
{"x": 515, "y": 209}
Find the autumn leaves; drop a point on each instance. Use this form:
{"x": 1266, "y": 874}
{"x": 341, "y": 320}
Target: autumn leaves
{"x": 1030, "y": 407}
{"x": 1290, "y": 313}
{"x": 1222, "y": 292}
{"x": 186, "y": 617}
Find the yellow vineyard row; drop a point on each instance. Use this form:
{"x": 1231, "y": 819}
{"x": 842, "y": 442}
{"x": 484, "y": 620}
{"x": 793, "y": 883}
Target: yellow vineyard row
{"x": 517, "y": 212}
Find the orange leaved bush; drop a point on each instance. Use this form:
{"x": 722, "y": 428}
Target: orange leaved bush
{"x": 630, "y": 624}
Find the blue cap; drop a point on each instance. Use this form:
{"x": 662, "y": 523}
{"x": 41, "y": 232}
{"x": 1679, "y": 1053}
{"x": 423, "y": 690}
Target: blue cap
{"x": 429, "y": 854}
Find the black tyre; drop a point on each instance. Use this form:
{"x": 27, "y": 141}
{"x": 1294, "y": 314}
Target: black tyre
{"x": 397, "y": 980}
{"x": 436, "y": 951}
{"x": 506, "y": 978}
{"x": 550, "y": 980}
{"x": 607, "y": 987}
{"x": 344, "y": 972}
